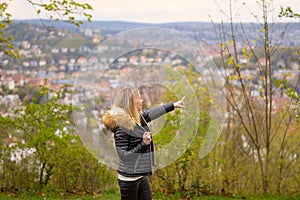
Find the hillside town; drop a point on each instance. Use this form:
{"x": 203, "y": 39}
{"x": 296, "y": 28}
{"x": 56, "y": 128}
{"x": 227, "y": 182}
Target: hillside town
{"x": 63, "y": 56}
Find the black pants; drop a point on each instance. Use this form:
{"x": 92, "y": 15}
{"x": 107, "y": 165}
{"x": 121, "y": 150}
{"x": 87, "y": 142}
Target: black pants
{"x": 135, "y": 190}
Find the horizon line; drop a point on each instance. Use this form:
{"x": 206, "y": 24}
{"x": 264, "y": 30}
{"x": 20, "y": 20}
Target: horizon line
{"x": 141, "y": 22}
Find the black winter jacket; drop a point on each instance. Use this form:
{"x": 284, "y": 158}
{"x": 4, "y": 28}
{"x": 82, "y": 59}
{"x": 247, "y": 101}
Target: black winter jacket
{"x": 136, "y": 158}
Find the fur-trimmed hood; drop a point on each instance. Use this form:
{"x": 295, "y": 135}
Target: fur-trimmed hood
{"x": 117, "y": 117}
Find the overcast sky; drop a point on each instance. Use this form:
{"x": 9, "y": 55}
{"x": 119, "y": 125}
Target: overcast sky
{"x": 160, "y": 11}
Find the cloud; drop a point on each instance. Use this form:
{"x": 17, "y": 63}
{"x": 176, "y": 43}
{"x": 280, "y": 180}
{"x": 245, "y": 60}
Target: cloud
{"x": 21, "y": 9}
{"x": 160, "y": 11}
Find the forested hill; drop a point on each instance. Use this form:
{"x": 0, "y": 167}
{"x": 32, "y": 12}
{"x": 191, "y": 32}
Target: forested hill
{"x": 203, "y": 30}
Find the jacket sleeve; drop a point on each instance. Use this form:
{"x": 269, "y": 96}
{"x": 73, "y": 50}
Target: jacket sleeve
{"x": 122, "y": 139}
{"x": 154, "y": 113}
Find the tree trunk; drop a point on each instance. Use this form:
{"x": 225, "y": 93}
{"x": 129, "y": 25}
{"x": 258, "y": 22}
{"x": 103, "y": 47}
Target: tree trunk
{"x": 42, "y": 174}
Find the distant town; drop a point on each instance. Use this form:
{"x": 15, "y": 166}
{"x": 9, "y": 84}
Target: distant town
{"x": 61, "y": 53}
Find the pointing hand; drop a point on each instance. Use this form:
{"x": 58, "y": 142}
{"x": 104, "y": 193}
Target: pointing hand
{"x": 180, "y": 103}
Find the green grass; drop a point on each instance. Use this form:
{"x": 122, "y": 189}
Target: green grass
{"x": 54, "y": 195}
{"x": 215, "y": 197}
{"x": 272, "y": 197}
{"x": 114, "y": 195}
{"x": 74, "y": 42}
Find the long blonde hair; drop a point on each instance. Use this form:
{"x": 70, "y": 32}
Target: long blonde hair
{"x": 127, "y": 99}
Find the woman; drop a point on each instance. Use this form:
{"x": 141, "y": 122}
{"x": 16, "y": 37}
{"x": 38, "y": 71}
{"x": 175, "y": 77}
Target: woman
{"x": 133, "y": 141}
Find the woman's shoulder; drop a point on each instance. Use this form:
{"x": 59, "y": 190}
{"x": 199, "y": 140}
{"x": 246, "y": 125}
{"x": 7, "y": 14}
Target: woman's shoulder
{"x": 117, "y": 118}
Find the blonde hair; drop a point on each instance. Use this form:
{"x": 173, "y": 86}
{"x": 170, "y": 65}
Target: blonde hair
{"x": 127, "y": 99}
